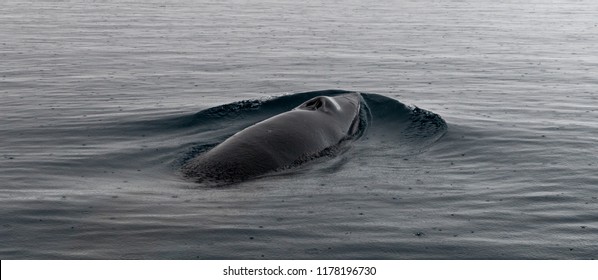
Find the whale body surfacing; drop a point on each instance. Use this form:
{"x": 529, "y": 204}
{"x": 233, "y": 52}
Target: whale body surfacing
{"x": 289, "y": 139}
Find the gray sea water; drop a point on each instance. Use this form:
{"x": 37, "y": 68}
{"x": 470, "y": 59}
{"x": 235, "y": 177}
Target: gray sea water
{"x": 92, "y": 94}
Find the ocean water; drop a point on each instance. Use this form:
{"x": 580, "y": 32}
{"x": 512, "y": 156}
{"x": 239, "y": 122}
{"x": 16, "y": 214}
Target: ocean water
{"x": 102, "y": 101}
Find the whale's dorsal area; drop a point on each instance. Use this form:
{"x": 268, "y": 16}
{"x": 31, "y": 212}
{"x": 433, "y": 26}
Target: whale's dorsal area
{"x": 282, "y": 141}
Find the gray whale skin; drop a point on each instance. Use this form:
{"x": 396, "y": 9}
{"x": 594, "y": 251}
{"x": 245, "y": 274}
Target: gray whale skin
{"x": 289, "y": 139}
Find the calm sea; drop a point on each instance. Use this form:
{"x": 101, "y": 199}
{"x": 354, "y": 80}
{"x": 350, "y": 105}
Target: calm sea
{"x": 96, "y": 98}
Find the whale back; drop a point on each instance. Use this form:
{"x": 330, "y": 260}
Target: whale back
{"x": 282, "y": 141}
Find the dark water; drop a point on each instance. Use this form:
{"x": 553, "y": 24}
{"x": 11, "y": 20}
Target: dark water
{"x": 102, "y": 101}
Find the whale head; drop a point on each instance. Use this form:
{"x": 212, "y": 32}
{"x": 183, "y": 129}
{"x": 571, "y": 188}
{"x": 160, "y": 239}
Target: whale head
{"x": 319, "y": 126}
{"x": 343, "y": 108}
{"x": 333, "y": 104}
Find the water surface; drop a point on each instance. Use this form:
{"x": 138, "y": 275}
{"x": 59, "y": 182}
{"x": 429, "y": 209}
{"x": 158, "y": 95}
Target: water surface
{"x": 93, "y": 92}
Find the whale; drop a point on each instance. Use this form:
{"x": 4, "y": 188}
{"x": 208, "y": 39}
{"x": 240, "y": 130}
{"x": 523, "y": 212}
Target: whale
{"x": 318, "y": 127}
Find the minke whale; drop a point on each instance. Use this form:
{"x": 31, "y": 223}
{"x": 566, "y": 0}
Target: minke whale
{"x": 318, "y": 127}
